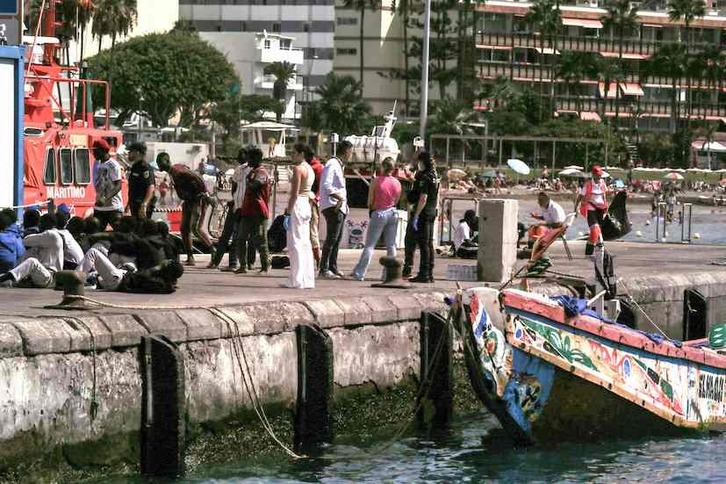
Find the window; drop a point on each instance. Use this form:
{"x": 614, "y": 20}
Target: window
{"x": 344, "y": 51}
{"x": 285, "y": 44}
{"x": 66, "y": 166}
{"x": 82, "y": 166}
{"x": 276, "y": 27}
{"x": 347, "y": 21}
{"x": 49, "y": 172}
{"x": 267, "y": 44}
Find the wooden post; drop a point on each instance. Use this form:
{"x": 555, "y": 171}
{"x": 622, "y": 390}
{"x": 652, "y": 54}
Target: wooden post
{"x": 162, "y": 408}
{"x": 313, "y": 418}
{"x": 436, "y": 392}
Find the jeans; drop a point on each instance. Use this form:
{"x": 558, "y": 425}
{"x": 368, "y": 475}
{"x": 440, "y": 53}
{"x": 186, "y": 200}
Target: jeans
{"x": 228, "y": 239}
{"x": 334, "y": 219}
{"x": 409, "y": 244}
{"x": 425, "y": 243}
{"x": 254, "y": 230}
{"x": 382, "y": 222}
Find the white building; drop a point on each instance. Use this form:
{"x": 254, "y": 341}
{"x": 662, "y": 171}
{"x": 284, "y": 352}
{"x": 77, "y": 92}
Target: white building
{"x": 250, "y": 52}
{"x": 310, "y": 22}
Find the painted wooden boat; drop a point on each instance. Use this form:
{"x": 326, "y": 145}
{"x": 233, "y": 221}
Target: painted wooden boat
{"x": 551, "y": 376}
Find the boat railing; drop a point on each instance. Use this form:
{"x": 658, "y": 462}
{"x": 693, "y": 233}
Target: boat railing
{"x": 47, "y": 84}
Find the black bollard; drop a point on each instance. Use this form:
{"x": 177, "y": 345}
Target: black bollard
{"x": 435, "y": 396}
{"x": 162, "y": 408}
{"x": 313, "y": 417}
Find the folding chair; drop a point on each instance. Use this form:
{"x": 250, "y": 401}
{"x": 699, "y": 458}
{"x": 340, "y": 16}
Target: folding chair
{"x": 543, "y": 243}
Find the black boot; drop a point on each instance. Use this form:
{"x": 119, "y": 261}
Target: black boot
{"x": 6, "y": 276}
{"x": 406, "y": 272}
{"x": 422, "y": 277}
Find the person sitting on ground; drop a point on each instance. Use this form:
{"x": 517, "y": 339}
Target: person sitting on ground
{"x": 465, "y": 236}
{"x": 128, "y": 247}
{"x": 158, "y": 279}
{"x": 31, "y": 222}
{"x": 11, "y": 243}
{"x": 192, "y": 190}
{"x": 551, "y": 216}
{"x": 72, "y": 250}
{"x": 42, "y": 259}
{"x": 77, "y": 228}
{"x": 172, "y": 245}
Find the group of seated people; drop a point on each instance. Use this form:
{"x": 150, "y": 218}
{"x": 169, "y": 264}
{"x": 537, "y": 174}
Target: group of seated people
{"x": 137, "y": 256}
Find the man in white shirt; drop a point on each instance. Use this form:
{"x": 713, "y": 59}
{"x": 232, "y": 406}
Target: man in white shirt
{"x": 334, "y": 207}
{"x": 465, "y": 235}
{"x": 551, "y": 216}
{"x": 107, "y": 182}
{"x": 231, "y": 222}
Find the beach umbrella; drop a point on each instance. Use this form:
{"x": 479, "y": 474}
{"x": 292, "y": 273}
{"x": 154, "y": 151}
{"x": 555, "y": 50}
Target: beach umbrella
{"x": 229, "y": 172}
{"x": 673, "y": 176}
{"x": 489, "y": 174}
{"x": 575, "y": 167}
{"x": 572, "y": 172}
{"x": 723, "y": 181}
{"x": 605, "y": 174}
{"x": 455, "y": 174}
{"x": 518, "y": 166}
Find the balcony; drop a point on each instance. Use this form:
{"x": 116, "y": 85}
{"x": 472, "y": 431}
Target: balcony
{"x": 641, "y": 107}
{"x": 268, "y": 81}
{"x": 291, "y": 55}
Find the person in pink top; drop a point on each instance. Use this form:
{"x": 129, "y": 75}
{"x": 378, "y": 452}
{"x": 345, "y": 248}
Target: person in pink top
{"x": 383, "y": 197}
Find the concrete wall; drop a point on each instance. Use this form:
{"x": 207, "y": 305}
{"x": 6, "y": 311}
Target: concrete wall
{"x": 47, "y": 365}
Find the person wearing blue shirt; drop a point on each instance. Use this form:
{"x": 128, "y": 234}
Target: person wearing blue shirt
{"x": 11, "y": 241}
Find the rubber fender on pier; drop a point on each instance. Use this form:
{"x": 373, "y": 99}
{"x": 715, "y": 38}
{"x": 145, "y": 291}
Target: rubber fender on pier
{"x": 695, "y": 314}
{"x": 628, "y": 314}
{"x": 436, "y": 392}
{"x": 162, "y": 408}
{"x": 313, "y": 415}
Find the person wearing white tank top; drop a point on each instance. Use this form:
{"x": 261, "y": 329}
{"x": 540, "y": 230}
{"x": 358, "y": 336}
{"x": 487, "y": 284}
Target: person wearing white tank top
{"x": 300, "y": 251}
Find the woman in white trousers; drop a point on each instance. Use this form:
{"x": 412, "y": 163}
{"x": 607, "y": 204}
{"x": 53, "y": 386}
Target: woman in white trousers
{"x": 298, "y": 214}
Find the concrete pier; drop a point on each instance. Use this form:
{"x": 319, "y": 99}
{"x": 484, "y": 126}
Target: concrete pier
{"x": 70, "y": 377}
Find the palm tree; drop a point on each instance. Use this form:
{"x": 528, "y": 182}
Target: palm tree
{"x": 545, "y": 17}
{"x": 114, "y": 18}
{"x": 403, "y": 8}
{"x": 574, "y": 67}
{"x": 283, "y": 72}
{"x": 670, "y": 61}
{"x": 341, "y": 107}
{"x": 362, "y": 6}
{"x": 605, "y": 71}
{"x": 73, "y": 15}
{"x": 688, "y": 11}
{"x": 621, "y": 17}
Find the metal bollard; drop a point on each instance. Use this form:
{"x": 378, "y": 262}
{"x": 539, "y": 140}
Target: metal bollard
{"x": 686, "y": 216}
{"x": 661, "y": 211}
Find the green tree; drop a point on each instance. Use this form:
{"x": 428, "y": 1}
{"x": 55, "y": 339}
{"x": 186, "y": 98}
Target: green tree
{"x": 670, "y": 61}
{"x": 159, "y": 75}
{"x": 361, "y": 6}
{"x": 73, "y": 16}
{"x": 606, "y": 72}
{"x": 688, "y": 11}
{"x": 574, "y": 67}
{"x": 621, "y": 18}
{"x": 283, "y": 72}
{"x": 113, "y": 18}
{"x": 545, "y": 17}
{"x": 451, "y": 116}
{"x": 656, "y": 149}
{"x": 340, "y": 107}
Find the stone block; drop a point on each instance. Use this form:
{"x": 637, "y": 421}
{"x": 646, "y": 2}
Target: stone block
{"x": 11, "y": 343}
{"x": 125, "y": 329}
{"x": 278, "y": 317}
{"x": 87, "y": 333}
{"x": 432, "y": 301}
{"x": 382, "y": 311}
{"x": 42, "y": 336}
{"x": 201, "y": 324}
{"x": 497, "y": 239}
{"x": 326, "y": 313}
{"x": 355, "y": 311}
{"x": 234, "y": 321}
{"x": 408, "y": 308}
{"x": 166, "y": 323}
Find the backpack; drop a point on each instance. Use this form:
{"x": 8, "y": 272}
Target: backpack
{"x": 276, "y": 235}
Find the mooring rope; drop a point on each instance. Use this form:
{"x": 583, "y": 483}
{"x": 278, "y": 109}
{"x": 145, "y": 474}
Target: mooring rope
{"x": 236, "y": 338}
{"x": 632, "y": 300}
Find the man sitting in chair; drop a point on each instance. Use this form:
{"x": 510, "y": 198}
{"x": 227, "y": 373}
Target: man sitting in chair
{"x": 552, "y": 216}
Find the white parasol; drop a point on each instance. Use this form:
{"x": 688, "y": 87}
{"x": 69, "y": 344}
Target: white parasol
{"x": 673, "y": 176}
{"x": 455, "y": 174}
{"x": 518, "y": 166}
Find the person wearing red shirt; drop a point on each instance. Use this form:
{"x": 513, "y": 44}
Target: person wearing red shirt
{"x": 190, "y": 188}
{"x": 593, "y": 205}
{"x": 317, "y": 167}
{"x": 255, "y": 212}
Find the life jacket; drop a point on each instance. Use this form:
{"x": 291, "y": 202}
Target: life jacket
{"x": 586, "y": 203}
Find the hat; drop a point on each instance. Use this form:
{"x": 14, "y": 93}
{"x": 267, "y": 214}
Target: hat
{"x": 64, "y": 209}
{"x": 597, "y": 170}
{"x": 102, "y": 144}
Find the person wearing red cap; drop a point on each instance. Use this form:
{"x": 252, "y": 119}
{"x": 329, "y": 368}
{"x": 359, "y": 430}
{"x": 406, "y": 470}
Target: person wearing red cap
{"x": 593, "y": 205}
{"x": 107, "y": 181}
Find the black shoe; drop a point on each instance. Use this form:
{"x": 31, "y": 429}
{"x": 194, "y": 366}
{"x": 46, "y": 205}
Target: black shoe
{"x": 422, "y": 279}
{"x": 406, "y": 273}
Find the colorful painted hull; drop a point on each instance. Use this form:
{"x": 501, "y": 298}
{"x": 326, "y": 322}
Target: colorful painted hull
{"x": 552, "y": 377}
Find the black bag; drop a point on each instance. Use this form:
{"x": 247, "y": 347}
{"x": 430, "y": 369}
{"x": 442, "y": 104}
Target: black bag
{"x": 280, "y": 262}
{"x": 276, "y": 235}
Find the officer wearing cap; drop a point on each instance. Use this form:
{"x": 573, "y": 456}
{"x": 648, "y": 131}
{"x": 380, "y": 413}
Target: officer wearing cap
{"x": 142, "y": 184}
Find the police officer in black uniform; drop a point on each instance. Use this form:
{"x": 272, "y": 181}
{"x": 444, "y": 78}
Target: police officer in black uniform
{"x": 424, "y": 215}
{"x": 142, "y": 184}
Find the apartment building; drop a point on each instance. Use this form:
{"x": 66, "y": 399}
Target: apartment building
{"x": 509, "y": 47}
{"x": 311, "y": 23}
